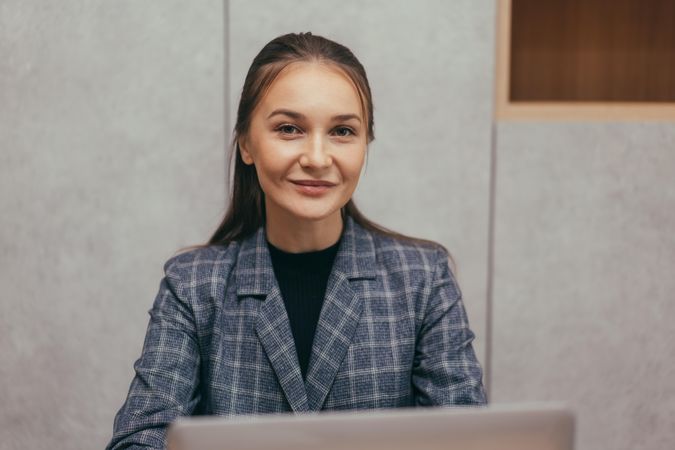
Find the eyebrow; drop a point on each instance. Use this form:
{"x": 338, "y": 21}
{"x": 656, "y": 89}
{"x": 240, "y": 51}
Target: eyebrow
{"x": 299, "y": 116}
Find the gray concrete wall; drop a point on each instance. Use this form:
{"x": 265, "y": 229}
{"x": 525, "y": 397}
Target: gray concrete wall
{"x": 430, "y": 67}
{"x": 111, "y": 158}
{"x": 584, "y": 262}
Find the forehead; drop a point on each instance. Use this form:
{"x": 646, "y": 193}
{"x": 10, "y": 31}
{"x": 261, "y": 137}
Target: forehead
{"x": 313, "y": 86}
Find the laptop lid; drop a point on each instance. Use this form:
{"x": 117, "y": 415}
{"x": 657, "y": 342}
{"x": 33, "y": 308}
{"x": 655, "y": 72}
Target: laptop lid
{"x": 503, "y": 427}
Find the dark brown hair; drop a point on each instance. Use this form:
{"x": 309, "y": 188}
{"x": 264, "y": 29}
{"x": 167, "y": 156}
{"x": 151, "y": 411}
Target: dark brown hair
{"x": 246, "y": 212}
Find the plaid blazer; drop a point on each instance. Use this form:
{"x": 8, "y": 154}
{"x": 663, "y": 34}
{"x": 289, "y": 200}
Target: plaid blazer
{"x": 392, "y": 332}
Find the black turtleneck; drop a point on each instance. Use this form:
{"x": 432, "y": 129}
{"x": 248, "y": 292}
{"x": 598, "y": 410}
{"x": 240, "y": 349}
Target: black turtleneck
{"x": 302, "y": 279}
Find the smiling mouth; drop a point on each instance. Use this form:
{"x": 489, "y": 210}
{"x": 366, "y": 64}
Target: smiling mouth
{"x": 313, "y": 188}
{"x": 313, "y": 183}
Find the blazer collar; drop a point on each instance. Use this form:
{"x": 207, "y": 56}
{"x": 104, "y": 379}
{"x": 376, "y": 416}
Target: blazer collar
{"x": 355, "y": 258}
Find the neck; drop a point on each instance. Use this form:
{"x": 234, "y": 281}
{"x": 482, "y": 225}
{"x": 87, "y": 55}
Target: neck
{"x": 297, "y": 236}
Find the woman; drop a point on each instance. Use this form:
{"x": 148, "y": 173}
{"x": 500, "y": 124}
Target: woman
{"x": 298, "y": 302}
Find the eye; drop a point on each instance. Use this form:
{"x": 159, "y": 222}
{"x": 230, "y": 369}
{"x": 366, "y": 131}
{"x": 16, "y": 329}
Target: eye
{"x": 344, "y": 132}
{"x": 288, "y": 129}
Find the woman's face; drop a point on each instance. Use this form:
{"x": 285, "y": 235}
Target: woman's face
{"x": 308, "y": 128}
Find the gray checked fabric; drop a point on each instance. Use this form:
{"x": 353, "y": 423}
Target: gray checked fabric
{"x": 393, "y": 332}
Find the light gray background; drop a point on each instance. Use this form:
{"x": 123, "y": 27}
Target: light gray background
{"x": 111, "y": 158}
{"x": 113, "y": 125}
{"x": 583, "y": 282}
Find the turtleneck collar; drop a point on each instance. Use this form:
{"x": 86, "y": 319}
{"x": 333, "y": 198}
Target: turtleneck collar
{"x": 314, "y": 259}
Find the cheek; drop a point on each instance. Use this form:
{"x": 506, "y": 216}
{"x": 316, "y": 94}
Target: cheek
{"x": 270, "y": 163}
{"x": 353, "y": 165}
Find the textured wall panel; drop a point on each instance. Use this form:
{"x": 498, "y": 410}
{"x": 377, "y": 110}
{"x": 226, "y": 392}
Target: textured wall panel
{"x": 111, "y": 135}
{"x": 585, "y": 256}
{"x": 429, "y": 65}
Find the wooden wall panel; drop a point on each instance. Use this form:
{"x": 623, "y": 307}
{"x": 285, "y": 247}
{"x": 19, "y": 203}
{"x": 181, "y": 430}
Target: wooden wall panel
{"x": 592, "y": 50}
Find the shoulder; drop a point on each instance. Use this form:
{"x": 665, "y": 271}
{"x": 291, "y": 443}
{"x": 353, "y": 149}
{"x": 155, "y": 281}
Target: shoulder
{"x": 201, "y": 265}
{"x": 415, "y": 258}
{"x": 418, "y": 270}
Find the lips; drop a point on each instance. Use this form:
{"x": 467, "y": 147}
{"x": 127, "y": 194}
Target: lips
{"x": 313, "y": 188}
{"x": 313, "y": 183}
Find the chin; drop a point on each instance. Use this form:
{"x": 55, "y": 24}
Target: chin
{"x": 314, "y": 213}
{"x": 313, "y": 217}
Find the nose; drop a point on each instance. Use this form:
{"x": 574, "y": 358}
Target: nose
{"x": 315, "y": 154}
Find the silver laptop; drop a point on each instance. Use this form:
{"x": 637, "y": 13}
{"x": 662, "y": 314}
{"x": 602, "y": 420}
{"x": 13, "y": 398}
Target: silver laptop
{"x": 503, "y": 427}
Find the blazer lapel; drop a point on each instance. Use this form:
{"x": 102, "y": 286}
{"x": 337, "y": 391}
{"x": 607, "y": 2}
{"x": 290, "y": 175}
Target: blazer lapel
{"x": 341, "y": 311}
{"x": 274, "y": 331}
{"x": 255, "y": 277}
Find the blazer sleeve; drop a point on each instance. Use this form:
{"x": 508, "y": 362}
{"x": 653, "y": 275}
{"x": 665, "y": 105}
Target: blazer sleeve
{"x": 445, "y": 369}
{"x": 166, "y": 374}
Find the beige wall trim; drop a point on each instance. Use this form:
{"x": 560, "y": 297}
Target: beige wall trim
{"x": 586, "y": 111}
